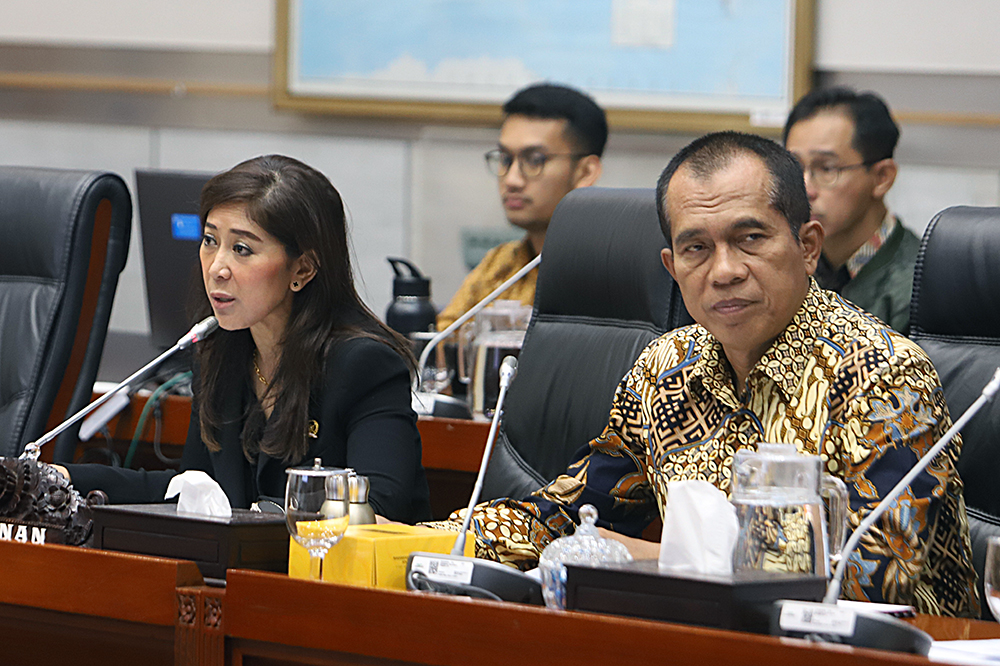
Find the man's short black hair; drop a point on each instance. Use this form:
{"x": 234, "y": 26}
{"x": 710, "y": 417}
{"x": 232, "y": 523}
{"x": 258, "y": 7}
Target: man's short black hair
{"x": 875, "y": 132}
{"x": 712, "y": 153}
{"x": 585, "y": 120}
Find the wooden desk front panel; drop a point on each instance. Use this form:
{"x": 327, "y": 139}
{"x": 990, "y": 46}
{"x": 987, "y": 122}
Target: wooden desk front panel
{"x": 63, "y": 605}
{"x": 273, "y": 619}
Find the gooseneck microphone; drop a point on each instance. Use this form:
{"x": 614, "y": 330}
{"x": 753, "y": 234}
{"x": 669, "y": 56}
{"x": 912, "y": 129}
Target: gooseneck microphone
{"x": 198, "y": 332}
{"x": 468, "y": 576}
{"x": 472, "y": 312}
{"x": 864, "y": 628}
{"x": 990, "y": 390}
{"x": 508, "y": 369}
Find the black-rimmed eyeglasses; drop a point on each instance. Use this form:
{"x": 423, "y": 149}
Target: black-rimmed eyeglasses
{"x": 530, "y": 161}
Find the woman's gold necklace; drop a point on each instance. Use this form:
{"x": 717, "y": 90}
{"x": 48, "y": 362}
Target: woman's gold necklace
{"x": 256, "y": 368}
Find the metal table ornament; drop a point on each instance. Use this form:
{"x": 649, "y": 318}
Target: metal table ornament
{"x": 39, "y": 505}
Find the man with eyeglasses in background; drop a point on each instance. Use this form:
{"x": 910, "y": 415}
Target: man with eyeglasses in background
{"x": 845, "y": 142}
{"x": 551, "y": 142}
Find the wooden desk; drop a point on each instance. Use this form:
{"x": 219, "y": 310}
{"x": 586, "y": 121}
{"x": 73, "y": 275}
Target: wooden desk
{"x": 274, "y": 619}
{"x": 61, "y": 605}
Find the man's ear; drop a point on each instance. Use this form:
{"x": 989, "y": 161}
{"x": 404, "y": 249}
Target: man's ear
{"x": 304, "y": 269}
{"x": 587, "y": 171}
{"x": 885, "y": 175}
{"x": 811, "y": 239}
{"x": 667, "y": 257}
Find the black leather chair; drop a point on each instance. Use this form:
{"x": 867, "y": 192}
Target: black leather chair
{"x": 955, "y": 317}
{"x": 602, "y": 296}
{"x": 65, "y": 238}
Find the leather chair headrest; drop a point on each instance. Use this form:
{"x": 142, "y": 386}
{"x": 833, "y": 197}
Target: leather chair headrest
{"x": 609, "y": 279}
{"x": 956, "y": 276}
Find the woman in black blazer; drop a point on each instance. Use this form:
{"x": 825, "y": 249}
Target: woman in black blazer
{"x": 300, "y": 368}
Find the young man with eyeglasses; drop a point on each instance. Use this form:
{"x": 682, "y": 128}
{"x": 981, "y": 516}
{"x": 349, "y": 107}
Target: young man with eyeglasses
{"x": 551, "y": 142}
{"x": 845, "y": 142}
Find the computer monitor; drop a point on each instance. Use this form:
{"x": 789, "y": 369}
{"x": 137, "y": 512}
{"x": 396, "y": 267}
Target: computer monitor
{"x": 171, "y": 231}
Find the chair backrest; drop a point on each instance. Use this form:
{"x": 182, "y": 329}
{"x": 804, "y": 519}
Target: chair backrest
{"x": 65, "y": 240}
{"x": 602, "y": 296}
{"x": 955, "y": 317}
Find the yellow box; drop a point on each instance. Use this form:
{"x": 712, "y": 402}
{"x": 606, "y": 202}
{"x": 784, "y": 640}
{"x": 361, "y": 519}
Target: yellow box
{"x": 375, "y": 555}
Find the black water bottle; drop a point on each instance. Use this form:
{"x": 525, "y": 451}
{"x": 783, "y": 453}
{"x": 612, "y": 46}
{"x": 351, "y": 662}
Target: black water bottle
{"x": 411, "y": 310}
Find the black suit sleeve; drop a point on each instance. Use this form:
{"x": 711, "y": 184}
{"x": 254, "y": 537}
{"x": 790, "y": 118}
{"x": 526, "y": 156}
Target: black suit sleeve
{"x": 132, "y": 486}
{"x": 123, "y": 486}
{"x": 369, "y": 385}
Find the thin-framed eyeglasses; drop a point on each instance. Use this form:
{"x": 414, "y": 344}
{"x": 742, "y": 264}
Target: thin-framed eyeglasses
{"x": 530, "y": 161}
{"x": 827, "y": 175}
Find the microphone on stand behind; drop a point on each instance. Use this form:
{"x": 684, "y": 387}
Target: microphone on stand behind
{"x": 427, "y": 403}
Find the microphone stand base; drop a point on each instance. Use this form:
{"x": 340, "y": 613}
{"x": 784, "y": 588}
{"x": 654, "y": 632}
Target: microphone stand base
{"x": 470, "y": 577}
{"x": 835, "y": 624}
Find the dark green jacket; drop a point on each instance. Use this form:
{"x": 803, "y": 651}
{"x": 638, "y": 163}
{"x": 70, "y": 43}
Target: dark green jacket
{"x": 885, "y": 283}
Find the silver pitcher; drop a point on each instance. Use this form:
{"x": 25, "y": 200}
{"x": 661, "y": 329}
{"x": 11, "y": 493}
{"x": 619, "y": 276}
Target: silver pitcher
{"x": 778, "y": 493}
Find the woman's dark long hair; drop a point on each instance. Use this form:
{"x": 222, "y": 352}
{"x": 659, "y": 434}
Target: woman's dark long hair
{"x": 299, "y": 207}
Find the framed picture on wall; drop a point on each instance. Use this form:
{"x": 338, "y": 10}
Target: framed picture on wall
{"x": 692, "y": 65}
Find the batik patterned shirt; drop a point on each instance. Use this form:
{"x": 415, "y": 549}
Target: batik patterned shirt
{"x": 837, "y": 383}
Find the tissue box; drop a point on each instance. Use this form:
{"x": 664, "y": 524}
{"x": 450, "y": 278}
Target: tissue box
{"x": 638, "y": 589}
{"x": 248, "y": 540}
{"x": 375, "y": 555}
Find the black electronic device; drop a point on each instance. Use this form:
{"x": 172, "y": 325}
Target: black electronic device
{"x": 171, "y": 233}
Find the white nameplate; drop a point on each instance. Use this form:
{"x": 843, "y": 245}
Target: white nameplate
{"x": 11, "y": 532}
{"x": 444, "y": 570}
{"x": 815, "y": 618}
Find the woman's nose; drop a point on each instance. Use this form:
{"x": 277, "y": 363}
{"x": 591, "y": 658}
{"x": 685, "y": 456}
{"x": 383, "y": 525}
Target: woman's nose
{"x": 219, "y": 268}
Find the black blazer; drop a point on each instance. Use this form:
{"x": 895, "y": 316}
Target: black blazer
{"x": 365, "y": 422}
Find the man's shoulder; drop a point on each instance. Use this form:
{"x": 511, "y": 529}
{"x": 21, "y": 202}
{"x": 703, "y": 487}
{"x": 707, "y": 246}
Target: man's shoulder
{"x": 856, "y": 332}
{"x": 674, "y": 347}
{"x": 901, "y": 248}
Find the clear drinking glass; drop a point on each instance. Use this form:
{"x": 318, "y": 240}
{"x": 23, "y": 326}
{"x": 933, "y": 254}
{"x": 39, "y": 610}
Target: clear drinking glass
{"x": 317, "y": 510}
{"x": 991, "y": 575}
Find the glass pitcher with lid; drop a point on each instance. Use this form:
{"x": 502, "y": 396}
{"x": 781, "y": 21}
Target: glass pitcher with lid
{"x": 783, "y": 524}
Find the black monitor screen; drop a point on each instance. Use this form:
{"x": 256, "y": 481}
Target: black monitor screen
{"x": 171, "y": 231}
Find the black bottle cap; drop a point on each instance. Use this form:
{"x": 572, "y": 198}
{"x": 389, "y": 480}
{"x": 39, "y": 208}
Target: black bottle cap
{"x": 414, "y": 284}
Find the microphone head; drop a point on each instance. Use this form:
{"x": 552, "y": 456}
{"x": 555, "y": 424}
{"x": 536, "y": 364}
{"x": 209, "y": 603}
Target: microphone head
{"x": 508, "y": 370}
{"x": 198, "y": 332}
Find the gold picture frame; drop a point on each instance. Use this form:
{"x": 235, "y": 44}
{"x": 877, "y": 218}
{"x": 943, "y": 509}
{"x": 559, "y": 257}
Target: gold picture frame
{"x": 489, "y": 114}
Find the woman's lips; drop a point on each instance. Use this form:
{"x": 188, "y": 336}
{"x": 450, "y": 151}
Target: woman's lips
{"x": 221, "y": 300}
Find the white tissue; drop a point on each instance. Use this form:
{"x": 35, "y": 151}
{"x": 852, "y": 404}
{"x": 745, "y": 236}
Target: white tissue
{"x": 199, "y": 494}
{"x": 699, "y": 529}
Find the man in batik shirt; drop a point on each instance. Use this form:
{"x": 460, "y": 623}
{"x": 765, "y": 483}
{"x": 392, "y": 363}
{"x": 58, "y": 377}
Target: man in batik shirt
{"x": 772, "y": 358}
